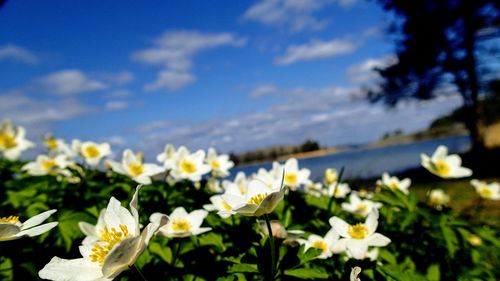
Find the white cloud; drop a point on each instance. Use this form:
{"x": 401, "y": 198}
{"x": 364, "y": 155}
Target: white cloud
{"x": 16, "y": 53}
{"x": 121, "y": 93}
{"x": 39, "y": 115}
{"x": 174, "y": 51}
{"x": 171, "y": 80}
{"x": 364, "y": 72}
{"x": 264, "y": 90}
{"x": 120, "y": 78}
{"x": 316, "y": 50}
{"x": 69, "y": 82}
{"x": 295, "y": 15}
{"x": 116, "y": 105}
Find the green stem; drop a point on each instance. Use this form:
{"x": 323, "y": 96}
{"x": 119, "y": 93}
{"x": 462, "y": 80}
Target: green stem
{"x": 137, "y": 273}
{"x": 177, "y": 252}
{"x": 273, "y": 249}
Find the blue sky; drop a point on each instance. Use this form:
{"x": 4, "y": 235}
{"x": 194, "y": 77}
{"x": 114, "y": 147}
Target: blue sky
{"x": 231, "y": 74}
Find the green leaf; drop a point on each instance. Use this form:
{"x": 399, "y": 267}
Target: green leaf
{"x": 6, "y": 272}
{"x": 433, "y": 273}
{"x": 243, "y": 267}
{"x": 165, "y": 253}
{"x": 307, "y": 273}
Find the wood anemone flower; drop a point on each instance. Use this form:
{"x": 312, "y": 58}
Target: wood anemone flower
{"x": 258, "y": 200}
{"x": 111, "y": 247}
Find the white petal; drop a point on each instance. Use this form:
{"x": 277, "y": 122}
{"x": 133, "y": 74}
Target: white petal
{"x": 38, "y": 219}
{"x": 372, "y": 221}
{"x": 357, "y": 248}
{"x": 71, "y": 270}
{"x": 201, "y": 230}
{"x": 440, "y": 153}
{"x": 116, "y": 214}
{"x": 8, "y": 231}
{"x": 196, "y": 217}
{"x": 378, "y": 240}
{"x": 121, "y": 256}
{"x": 37, "y": 230}
{"x": 461, "y": 172}
{"x": 340, "y": 226}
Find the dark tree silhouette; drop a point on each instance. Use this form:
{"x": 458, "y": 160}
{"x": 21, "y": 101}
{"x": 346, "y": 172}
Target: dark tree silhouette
{"x": 441, "y": 44}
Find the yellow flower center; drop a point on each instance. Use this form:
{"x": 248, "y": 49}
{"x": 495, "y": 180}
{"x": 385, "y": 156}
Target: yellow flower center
{"x": 330, "y": 177}
{"x": 135, "y": 169}
{"x": 215, "y": 164}
{"x": 485, "y": 192}
{"x": 226, "y": 206}
{"x": 357, "y": 231}
{"x": 91, "y": 151}
{"x": 10, "y": 219}
{"x": 361, "y": 208}
{"x": 442, "y": 167}
{"x": 257, "y": 199}
{"x": 291, "y": 179}
{"x": 181, "y": 225}
{"x": 51, "y": 143}
{"x": 188, "y": 166}
{"x": 48, "y": 164}
{"x": 107, "y": 241}
{"x": 393, "y": 185}
{"x": 320, "y": 244}
{"x": 7, "y": 141}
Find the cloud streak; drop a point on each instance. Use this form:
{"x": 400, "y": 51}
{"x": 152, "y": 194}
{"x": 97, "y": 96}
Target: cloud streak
{"x": 69, "y": 82}
{"x": 174, "y": 52}
{"x": 316, "y": 50}
{"x": 17, "y": 53}
{"x": 330, "y": 115}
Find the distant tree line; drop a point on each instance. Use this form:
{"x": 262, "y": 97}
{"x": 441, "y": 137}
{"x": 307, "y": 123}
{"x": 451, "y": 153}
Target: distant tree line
{"x": 273, "y": 153}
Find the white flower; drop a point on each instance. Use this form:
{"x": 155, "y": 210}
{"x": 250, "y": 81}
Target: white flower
{"x": 111, "y": 246}
{"x": 257, "y": 201}
{"x": 240, "y": 183}
{"x": 270, "y": 178}
{"x": 325, "y": 244}
{"x": 133, "y": 167}
{"x": 167, "y": 157}
{"x": 393, "y": 183}
{"x": 359, "y": 206}
{"x": 485, "y": 190}
{"x": 314, "y": 189}
{"x": 443, "y": 165}
{"x": 47, "y": 165}
{"x": 182, "y": 224}
{"x": 294, "y": 177}
{"x": 338, "y": 190}
{"x": 331, "y": 176}
{"x": 11, "y": 228}
{"x": 220, "y": 164}
{"x": 12, "y": 141}
{"x": 92, "y": 152}
{"x": 58, "y": 146}
{"x": 438, "y": 198}
{"x": 218, "y": 204}
{"x": 357, "y": 238}
{"x": 188, "y": 165}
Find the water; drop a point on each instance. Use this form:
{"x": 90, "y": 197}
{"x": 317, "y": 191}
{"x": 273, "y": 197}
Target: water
{"x": 369, "y": 163}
